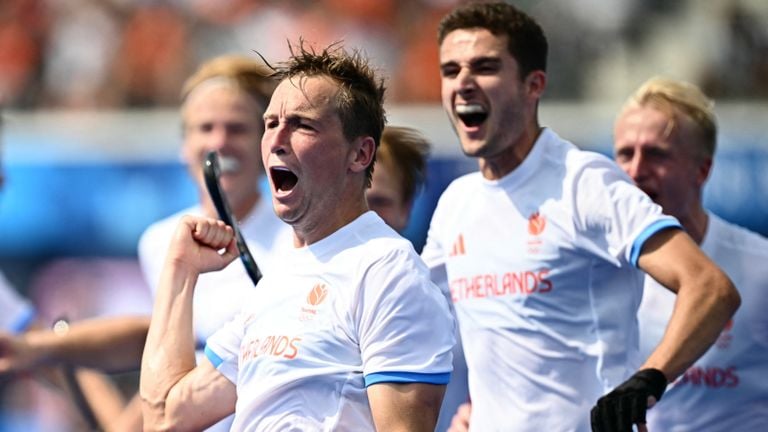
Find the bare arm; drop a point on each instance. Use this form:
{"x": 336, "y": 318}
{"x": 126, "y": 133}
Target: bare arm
{"x": 128, "y": 420}
{"x": 199, "y": 399}
{"x": 109, "y": 344}
{"x": 102, "y": 396}
{"x": 706, "y": 299}
{"x": 176, "y": 394}
{"x": 405, "y": 407}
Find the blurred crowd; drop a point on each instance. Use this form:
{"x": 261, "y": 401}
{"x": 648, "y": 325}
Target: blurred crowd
{"x": 135, "y": 53}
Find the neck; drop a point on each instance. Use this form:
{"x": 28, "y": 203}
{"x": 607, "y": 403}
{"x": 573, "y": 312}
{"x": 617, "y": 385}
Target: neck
{"x": 318, "y": 228}
{"x": 695, "y": 223}
{"x": 497, "y": 166}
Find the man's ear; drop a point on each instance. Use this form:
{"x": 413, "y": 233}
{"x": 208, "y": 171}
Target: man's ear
{"x": 362, "y": 153}
{"x": 705, "y": 167}
{"x": 535, "y": 83}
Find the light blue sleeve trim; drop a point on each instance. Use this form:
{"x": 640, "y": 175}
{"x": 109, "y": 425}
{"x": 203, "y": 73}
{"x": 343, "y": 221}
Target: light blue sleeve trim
{"x": 213, "y": 357}
{"x": 407, "y": 377}
{"x": 24, "y": 322}
{"x": 647, "y": 233}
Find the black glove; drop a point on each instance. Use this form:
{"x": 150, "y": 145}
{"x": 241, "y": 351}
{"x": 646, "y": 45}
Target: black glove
{"x": 626, "y": 404}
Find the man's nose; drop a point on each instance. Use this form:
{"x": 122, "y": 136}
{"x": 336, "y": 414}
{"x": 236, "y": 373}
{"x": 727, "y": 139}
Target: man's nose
{"x": 465, "y": 81}
{"x": 637, "y": 167}
{"x": 276, "y": 140}
{"x": 218, "y": 138}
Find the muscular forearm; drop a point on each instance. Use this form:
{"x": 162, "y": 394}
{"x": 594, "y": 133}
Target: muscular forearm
{"x": 169, "y": 353}
{"x": 109, "y": 344}
{"x": 175, "y": 394}
{"x": 698, "y": 318}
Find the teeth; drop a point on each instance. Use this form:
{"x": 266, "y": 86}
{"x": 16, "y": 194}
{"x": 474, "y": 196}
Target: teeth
{"x": 470, "y": 109}
{"x": 229, "y": 164}
{"x": 281, "y": 168}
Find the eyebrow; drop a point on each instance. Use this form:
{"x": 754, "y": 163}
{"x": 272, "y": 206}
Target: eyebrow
{"x": 474, "y": 62}
{"x": 303, "y": 107}
{"x": 295, "y": 117}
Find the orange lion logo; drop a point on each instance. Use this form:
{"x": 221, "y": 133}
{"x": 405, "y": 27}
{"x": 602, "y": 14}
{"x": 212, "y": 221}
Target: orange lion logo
{"x": 536, "y": 223}
{"x": 317, "y": 294}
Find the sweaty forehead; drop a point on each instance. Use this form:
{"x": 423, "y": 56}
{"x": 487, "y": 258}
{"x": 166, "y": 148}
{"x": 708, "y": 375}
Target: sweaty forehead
{"x": 220, "y": 99}
{"x": 463, "y": 44}
{"x": 302, "y": 94}
{"x": 644, "y": 125}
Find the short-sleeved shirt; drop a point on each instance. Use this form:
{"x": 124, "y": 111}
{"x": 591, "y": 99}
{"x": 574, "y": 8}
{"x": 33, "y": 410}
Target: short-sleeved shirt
{"x": 541, "y": 266}
{"x": 727, "y": 388}
{"x": 16, "y": 314}
{"x": 352, "y": 310}
{"x": 264, "y": 233}
{"x": 218, "y": 295}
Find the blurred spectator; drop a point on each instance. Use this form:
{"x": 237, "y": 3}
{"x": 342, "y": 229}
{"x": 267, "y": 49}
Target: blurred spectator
{"x": 742, "y": 67}
{"x": 41, "y": 401}
{"x": 22, "y": 38}
{"x": 222, "y": 12}
{"x": 418, "y": 71}
{"x": 135, "y": 53}
{"x": 81, "y": 49}
{"x": 82, "y": 288}
{"x": 598, "y": 23}
{"x": 320, "y": 24}
{"x": 153, "y": 58}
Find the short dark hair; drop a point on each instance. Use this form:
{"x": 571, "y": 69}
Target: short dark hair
{"x": 406, "y": 151}
{"x": 526, "y": 41}
{"x": 361, "y": 96}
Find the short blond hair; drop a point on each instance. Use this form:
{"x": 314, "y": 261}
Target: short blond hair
{"x": 680, "y": 98}
{"x": 243, "y": 73}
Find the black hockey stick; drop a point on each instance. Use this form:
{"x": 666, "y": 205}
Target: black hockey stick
{"x": 211, "y": 172}
{"x": 70, "y": 378}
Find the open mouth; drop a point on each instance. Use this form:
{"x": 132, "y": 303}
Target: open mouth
{"x": 471, "y": 114}
{"x": 283, "y": 178}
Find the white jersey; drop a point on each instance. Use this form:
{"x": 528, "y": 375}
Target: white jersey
{"x": 727, "y": 388}
{"x": 218, "y": 295}
{"x": 352, "y": 310}
{"x": 16, "y": 314}
{"x": 541, "y": 268}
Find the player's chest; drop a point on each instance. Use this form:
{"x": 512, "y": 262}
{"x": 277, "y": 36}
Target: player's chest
{"x": 300, "y": 317}
{"x": 509, "y": 235}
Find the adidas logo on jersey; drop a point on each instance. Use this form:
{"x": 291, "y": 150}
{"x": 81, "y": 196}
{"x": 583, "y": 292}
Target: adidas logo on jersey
{"x": 458, "y": 247}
